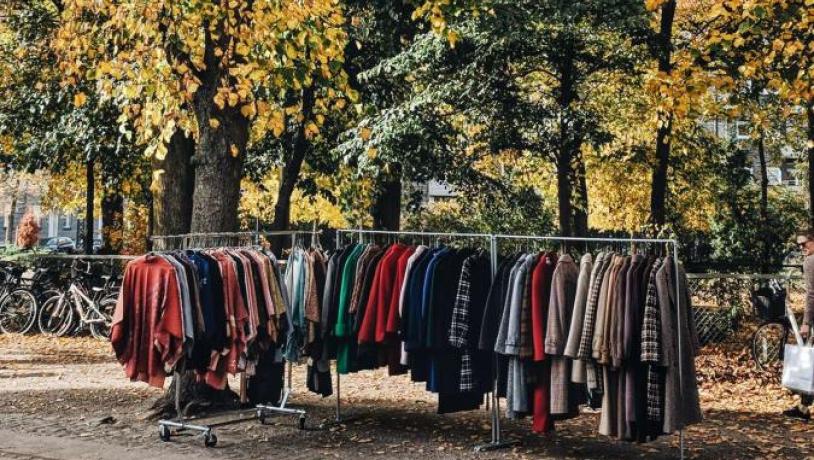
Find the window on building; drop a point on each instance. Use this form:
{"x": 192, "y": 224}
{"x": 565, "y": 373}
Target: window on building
{"x": 66, "y": 222}
{"x": 741, "y": 130}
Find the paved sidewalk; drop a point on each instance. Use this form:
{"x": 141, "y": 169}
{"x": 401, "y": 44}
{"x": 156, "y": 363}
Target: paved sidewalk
{"x": 18, "y": 445}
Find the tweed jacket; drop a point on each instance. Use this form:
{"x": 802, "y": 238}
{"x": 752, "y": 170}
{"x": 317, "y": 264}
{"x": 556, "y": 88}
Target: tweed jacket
{"x": 586, "y": 341}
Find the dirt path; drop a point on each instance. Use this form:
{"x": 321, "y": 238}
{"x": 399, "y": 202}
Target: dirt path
{"x": 67, "y": 398}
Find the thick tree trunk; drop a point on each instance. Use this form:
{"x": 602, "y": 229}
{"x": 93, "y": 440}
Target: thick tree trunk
{"x": 658, "y": 193}
{"x": 811, "y": 164}
{"x": 172, "y": 187}
{"x": 218, "y": 170}
{"x": 89, "y": 193}
{"x": 386, "y": 210}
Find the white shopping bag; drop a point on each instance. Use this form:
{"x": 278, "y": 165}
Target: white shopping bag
{"x": 798, "y": 363}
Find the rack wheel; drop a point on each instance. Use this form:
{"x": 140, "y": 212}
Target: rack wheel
{"x": 301, "y": 422}
{"x": 261, "y": 416}
{"x": 210, "y": 440}
{"x": 164, "y": 432}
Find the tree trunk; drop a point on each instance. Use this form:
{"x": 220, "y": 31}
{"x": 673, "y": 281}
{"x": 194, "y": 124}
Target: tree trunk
{"x": 764, "y": 180}
{"x": 658, "y": 193}
{"x": 12, "y": 213}
{"x": 172, "y": 187}
{"x": 386, "y": 210}
{"x": 764, "y": 201}
{"x": 89, "y": 193}
{"x": 564, "y": 192}
{"x": 811, "y": 163}
{"x": 112, "y": 220}
{"x": 581, "y": 208}
{"x": 565, "y": 149}
{"x": 291, "y": 172}
{"x": 217, "y": 170}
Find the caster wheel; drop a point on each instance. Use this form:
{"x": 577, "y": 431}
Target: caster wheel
{"x": 301, "y": 423}
{"x": 210, "y": 440}
{"x": 164, "y": 432}
{"x": 262, "y": 417}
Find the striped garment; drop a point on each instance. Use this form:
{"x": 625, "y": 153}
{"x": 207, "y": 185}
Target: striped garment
{"x": 651, "y": 350}
{"x": 589, "y": 322}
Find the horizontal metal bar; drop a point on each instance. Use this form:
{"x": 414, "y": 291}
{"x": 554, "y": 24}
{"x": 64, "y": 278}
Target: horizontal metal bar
{"x": 744, "y": 276}
{"x": 393, "y": 232}
{"x": 212, "y": 234}
{"x": 588, "y": 239}
{"x": 185, "y": 426}
{"x": 282, "y": 410}
{"x": 77, "y": 256}
{"x": 292, "y": 232}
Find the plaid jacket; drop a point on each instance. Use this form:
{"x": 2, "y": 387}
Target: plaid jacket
{"x": 651, "y": 349}
{"x": 459, "y": 327}
{"x": 651, "y": 326}
{"x": 585, "y": 343}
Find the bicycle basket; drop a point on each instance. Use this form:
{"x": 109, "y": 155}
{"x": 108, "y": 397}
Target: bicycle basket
{"x": 769, "y": 302}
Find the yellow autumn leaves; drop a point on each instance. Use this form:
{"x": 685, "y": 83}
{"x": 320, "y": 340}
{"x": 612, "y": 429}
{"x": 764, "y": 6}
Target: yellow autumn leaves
{"x": 150, "y": 57}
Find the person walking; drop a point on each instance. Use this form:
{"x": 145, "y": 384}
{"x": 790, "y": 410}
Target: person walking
{"x": 805, "y": 241}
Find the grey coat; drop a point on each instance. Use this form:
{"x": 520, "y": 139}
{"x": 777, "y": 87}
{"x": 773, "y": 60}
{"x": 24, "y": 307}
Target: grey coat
{"x": 681, "y": 402}
{"x": 575, "y": 332}
{"x": 513, "y": 342}
{"x": 503, "y": 330}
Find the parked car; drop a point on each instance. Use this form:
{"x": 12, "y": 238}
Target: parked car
{"x": 61, "y": 244}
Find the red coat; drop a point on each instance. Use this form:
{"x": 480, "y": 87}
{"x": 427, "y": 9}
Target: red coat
{"x": 147, "y": 331}
{"x": 393, "y": 320}
{"x": 378, "y": 302}
{"x": 542, "y": 421}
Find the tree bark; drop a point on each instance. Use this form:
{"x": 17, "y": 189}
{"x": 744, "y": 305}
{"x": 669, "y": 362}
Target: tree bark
{"x": 386, "y": 210}
{"x": 87, "y": 246}
{"x": 293, "y": 165}
{"x": 581, "y": 208}
{"x": 564, "y": 192}
{"x": 172, "y": 187}
{"x": 565, "y": 149}
{"x": 112, "y": 221}
{"x": 811, "y": 163}
{"x": 658, "y": 193}
{"x": 764, "y": 201}
{"x": 217, "y": 171}
{"x": 764, "y": 180}
{"x": 12, "y": 213}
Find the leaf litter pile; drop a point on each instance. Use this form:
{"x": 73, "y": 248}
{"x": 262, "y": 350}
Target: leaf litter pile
{"x": 73, "y": 387}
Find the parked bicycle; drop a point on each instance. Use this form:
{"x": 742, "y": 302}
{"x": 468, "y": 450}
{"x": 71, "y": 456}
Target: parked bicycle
{"x": 80, "y": 305}
{"x": 18, "y": 304}
{"x": 770, "y": 338}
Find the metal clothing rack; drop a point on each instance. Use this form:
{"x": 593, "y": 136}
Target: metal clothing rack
{"x": 669, "y": 242}
{"x": 260, "y": 411}
{"x": 282, "y": 408}
{"x": 493, "y": 402}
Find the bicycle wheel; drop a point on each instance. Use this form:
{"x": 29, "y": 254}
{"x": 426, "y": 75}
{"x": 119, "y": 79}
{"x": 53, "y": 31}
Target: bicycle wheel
{"x": 56, "y": 316}
{"x": 18, "y": 311}
{"x": 767, "y": 345}
{"x": 101, "y": 329}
